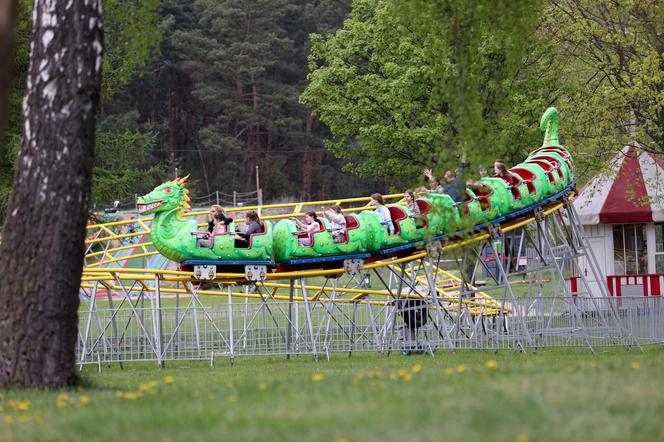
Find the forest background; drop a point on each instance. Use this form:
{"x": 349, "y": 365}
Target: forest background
{"x": 339, "y": 98}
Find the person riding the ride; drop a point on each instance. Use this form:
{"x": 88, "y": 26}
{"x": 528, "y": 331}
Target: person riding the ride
{"x": 385, "y": 216}
{"x": 253, "y": 225}
{"x": 337, "y": 223}
{"x": 309, "y": 226}
{"x": 502, "y": 172}
{"x": 415, "y": 212}
{"x": 218, "y": 224}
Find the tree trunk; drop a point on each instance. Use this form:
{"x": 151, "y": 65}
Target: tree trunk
{"x": 306, "y": 159}
{"x": 41, "y": 255}
{"x": 171, "y": 127}
{"x": 253, "y": 145}
{"x": 7, "y": 28}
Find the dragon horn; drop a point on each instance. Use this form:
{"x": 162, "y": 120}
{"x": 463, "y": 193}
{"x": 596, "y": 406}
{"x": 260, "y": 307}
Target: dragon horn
{"x": 183, "y": 181}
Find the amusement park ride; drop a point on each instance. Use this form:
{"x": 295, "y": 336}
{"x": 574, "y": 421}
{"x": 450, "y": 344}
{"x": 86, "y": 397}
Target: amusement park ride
{"x": 373, "y": 291}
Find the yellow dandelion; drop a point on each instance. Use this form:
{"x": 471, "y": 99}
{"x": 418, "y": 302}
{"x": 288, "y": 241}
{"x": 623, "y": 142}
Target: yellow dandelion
{"x": 132, "y": 395}
{"x": 24, "y": 405}
{"x": 63, "y": 397}
{"x": 119, "y": 394}
{"x": 12, "y": 405}
{"x": 522, "y": 438}
{"x": 407, "y": 377}
{"x": 25, "y": 419}
{"x": 317, "y": 377}
{"x": 461, "y": 368}
{"x": 168, "y": 380}
{"x": 634, "y": 365}
{"x": 262, "y": 386}
{"x": 144, "y": 387}
{"x": 416, "y": 368}
{"x": 491, "y": 364}
{"x": 84, "y": 400}
{"x": 343, "y": 439}
{"x": 231, "y": 398}
{"x": 394, "y": 375}
{"x": 449, "y": 371}
{"x": 9, "y": 419}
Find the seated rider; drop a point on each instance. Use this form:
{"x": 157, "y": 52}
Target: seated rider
{"x": 309, "y": 226}
{"x": 454, "y": 186}
{"x": 434, "y": 183}
{"x": 415, "y": 213}
{"x": 502, "y": 172}
{"x": 217, "y": 213}
{"x": 337, "y": 223}
{"x": 253, "y": 225}
{"x": 218, "y": 224}
{"x": 384, "y": 212}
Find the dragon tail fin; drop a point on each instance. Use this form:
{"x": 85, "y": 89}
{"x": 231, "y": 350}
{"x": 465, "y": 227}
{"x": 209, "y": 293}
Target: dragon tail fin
{"x": 549, "y": 125}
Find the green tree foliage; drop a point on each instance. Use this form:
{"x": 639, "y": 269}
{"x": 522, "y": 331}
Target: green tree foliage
{"x": 223, "y": 97}
{"x": 132, "y": 38}
{"x": 119, "y": 169}
{"x": 11, "y": 139}
{"x": 611, "y": 55}
{"x": 410, "y": 84}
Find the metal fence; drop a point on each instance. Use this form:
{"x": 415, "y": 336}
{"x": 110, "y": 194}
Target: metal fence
{"x": 225, "y": 199}
{"x": 196, "y": 331}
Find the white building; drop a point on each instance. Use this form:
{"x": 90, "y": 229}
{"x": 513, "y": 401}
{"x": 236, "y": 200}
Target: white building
{"x": 623, "y": 217}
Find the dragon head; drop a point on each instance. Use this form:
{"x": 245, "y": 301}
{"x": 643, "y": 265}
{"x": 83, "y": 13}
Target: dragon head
{"x": 166, "y": 197}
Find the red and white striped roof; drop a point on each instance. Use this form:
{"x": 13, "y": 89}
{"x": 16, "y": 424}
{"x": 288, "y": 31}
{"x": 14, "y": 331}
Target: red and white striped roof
{"x": 632, "y": 191}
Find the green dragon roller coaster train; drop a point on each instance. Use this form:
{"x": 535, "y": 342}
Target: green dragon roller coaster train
{"x": 545, "y": 176}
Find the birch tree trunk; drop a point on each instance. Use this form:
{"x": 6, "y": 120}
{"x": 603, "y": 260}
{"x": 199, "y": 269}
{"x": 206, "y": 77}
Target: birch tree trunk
{"x": 41, "y": 255}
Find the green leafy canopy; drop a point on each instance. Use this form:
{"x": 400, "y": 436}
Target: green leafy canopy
{"x": 405, "y": 85}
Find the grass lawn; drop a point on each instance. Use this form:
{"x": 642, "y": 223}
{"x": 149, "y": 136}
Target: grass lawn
{"x": 550, "y": 395}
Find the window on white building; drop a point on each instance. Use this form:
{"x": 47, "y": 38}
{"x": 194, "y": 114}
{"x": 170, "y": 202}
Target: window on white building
{"x": 630, "y": 251}
{"x": 659, "y": 248}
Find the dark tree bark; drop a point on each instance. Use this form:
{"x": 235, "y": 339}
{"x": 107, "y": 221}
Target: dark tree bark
{"x": 7, "y": 30}
{"x": 306, "y": 159}
{"x": 41, "y": 255}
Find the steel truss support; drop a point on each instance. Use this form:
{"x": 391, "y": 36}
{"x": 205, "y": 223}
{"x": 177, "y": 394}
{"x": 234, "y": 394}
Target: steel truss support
{"x": 407, "y": 304}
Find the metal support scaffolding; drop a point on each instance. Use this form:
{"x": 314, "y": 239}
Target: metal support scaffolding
{"x": 409, "y": 303}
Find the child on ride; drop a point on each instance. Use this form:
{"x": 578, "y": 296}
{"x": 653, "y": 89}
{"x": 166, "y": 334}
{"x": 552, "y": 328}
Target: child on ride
{"x": 218, "y": 224}
{"x": 310, "y": 226}
{"x": 409, "y": 198}
{"x": 502, "y": 172}
{"x": 253, "y": 225}
{"x": 218, "y": 221}
{"x": 337, "y": 223}
{"x": 384, "y": 212}
{"x": 415, "y": 213}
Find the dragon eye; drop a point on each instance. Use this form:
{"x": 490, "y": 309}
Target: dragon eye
{"x": 168, "y": 190}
